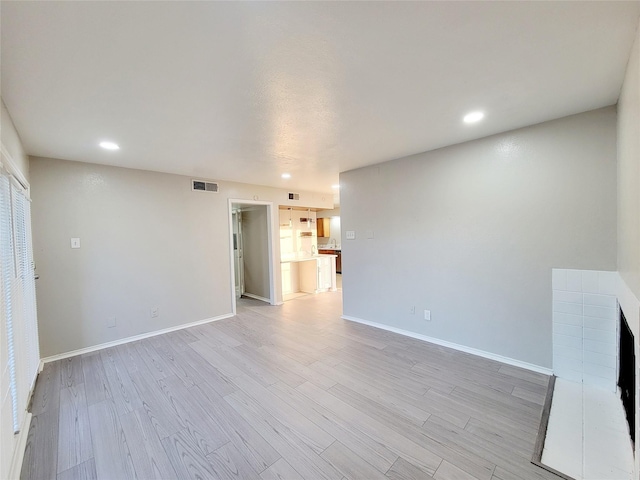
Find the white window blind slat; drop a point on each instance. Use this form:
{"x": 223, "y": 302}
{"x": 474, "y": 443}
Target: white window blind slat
{"x": 18, "y": 305}
{"x": 7, "y": 260}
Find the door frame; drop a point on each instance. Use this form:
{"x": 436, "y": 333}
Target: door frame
{"x": 237, "y": 245}
{"x": 270, "y": 249}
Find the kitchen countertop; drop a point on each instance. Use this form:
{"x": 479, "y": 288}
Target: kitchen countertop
{"x": 305, "y": 258}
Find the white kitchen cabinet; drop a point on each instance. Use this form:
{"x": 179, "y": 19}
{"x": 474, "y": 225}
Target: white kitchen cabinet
{"x": 309, "y": 274}
{"x": 324, "y": 273}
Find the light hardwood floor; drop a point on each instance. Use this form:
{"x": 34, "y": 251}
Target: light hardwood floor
{"x": 285, "y": 392}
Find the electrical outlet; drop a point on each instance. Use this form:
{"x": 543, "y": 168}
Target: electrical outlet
{"x": 427, "y": 315}
{"x": 111, "y": 321}
{"x": 155, "y": 311}
{"x": 412, "y": 310}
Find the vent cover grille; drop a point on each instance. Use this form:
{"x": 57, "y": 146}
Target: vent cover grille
{"x": 294, "y": 196}
{"x": 202, "y": 186}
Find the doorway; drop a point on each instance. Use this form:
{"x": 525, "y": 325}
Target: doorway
{"x": 252, "y": 269}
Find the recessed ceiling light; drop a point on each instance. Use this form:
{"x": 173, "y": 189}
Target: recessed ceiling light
{"x": 473, "y": 117}
{"x": 109, "y": 146}
{"x": 335, "y": 186}
{"x": 286, "y": 175}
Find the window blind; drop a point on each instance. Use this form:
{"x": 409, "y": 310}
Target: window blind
{"x": 18, "y": 300}
{"x": 7, "y": 259}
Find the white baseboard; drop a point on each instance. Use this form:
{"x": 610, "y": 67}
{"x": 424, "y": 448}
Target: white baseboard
{"x": 20, "y": 446}
{"x": 122, "y": 341}
{"x": 455, "y": 346}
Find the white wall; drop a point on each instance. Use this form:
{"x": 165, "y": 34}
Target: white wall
{"x": 147, "y": 241}
{"x": 629, "y": 208}
{"x": 471, "y": 233}
{"x": 12, "y": 143}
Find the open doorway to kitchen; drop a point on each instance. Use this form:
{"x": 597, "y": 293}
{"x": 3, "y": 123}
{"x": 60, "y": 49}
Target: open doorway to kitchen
{"x": 252, "y": 264}
{"x": 304, "y": 268}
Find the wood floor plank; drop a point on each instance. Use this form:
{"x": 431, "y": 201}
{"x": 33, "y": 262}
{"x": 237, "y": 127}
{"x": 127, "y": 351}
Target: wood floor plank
{"x": 46, "y": 395}
{"x": 383, "y": 402}
{"x": 284, "y": 392}
{"x": 156, "y": 366}
{"x": 286, "y": 442}
{"x": 156, "y": 406}
{"x": 467, "y": 461}
{"x": 71, "y": 371}
{"x": 468, "y": 441}
{"x": 206, "y": 432}
{"x": 305, "y": 429}
{"x": 215, "y": 359}
{"x": 96, "y": 384}
{"x": 404, "y": 470}
{"x": 147, "y": 453}
{"x": 130, "y": 357}
{"x": 289, "y": 346}
{"x": 113, "y": 458}
{"x": 183, "y": 370}
{"x": 186, "y": 458}
{"x": 273, "y": 365}
{"x": 496, "y": 434}
{"x": 394, "y": 441}
{"x": 349, "y": 463}
{"x": 209, "y": 333}
{"x": 125, "y": 396}
{"x": 280, "y": 470}
{"x": 230, "y": 464}
{"x": 535, "y": 397}
{"x": 180, "y": 339}
{"x": 447, "y": 471}
{"x": 299, "y": 367}
{"x": 375, "y": 453}
{"x": 84, "y": 471}
{"x": 74, "y": 434}
{"x": 258, "y": 451}
{"x": 206, "y": 373}
{"x": 477, "y": 408}
{"x": 40, "y": 454}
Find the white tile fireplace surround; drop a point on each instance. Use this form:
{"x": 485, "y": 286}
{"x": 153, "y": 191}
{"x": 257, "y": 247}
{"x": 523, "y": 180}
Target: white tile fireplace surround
{"x": 585, "y": 326}
{"x": 586, "y": 323}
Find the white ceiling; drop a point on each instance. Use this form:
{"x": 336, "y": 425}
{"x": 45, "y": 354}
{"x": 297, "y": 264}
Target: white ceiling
{"x": 245, "y": 91}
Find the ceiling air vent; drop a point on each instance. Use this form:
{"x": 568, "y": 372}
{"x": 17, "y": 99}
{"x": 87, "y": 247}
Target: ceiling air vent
{"x": 294, "y": 196}
{"x": 203, "y": 186}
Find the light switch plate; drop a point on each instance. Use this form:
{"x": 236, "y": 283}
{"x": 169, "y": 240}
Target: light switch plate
{"x": 351, "y": 235}
{"x": 369, "y": 234}
{"x": 75, "y": 243}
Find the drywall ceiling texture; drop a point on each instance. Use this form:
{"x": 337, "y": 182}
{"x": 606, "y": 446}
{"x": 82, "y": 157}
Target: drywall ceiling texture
{"x": 147, "y": 240}
{"x": 471, "y": 232}
{"x": 243, "y": 91}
